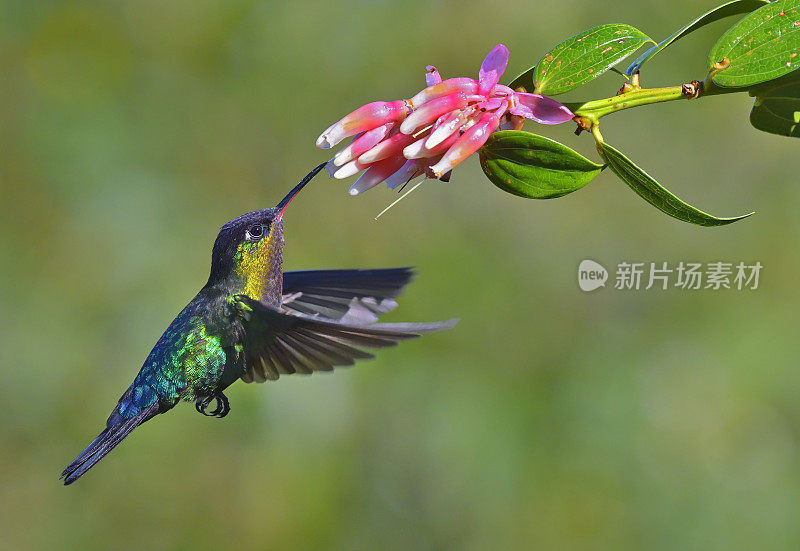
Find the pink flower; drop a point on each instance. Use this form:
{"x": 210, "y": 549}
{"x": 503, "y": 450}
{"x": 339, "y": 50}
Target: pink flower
{"x": 434, "y": 131}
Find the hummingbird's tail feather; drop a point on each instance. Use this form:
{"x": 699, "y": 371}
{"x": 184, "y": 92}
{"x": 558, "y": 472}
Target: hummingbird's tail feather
{"x": 104, "y": 443}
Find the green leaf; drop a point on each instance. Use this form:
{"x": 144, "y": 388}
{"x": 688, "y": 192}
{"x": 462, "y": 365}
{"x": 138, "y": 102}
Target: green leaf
{"x": 762, "y": 46}
{"x": 586, "y": 56}
{"x": 777, "y": 110}
{"x": 725, "y": 10}
{"x": 533, "y": 166}
{"x": 524, "y": 79}
{"x": 654, "y": 193}
{"x": 765, "y": 87}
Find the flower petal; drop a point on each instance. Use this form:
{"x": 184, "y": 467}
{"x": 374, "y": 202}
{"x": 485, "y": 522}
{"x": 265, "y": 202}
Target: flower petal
{"x": 392, "y": 145}
{"x": 351, "y": 168}
{"x": 444, "y": 88}
{"x": 432, "y": 76}
{"x": 493, "y": 68}
{"x": 522, "y": 111}
{"x": 377, "y": 173}
{"x": 364, "y": 118}
{"x": 541, "y": 109}
{"x": 501, "y": 109}
{"x": 502, "y": 89}
{"x": 367, "y": 141}
{"x": 490, "y": 104}
{"x": 449, "y": 126}
{"x": 467, "y": 144}
{"x": 330, "y": 168}
{"x": 431, "y": 111}
{"x": 412, "y": 168}
{"x": 419, "y": 149}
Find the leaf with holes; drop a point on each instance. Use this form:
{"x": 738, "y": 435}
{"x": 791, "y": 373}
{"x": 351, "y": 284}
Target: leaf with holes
{"x": 656, "y": 194}
{"x": 777, "y": 110}
{"x": 725, "y": 10}
{"x": 533, "y": 166}
{"x": 762, "y": 46}
{"x": 586, "y": 56}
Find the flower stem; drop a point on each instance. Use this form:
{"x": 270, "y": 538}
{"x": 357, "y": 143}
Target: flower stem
{"x": 598, "y": 137}
{"x": 593, "y": 110}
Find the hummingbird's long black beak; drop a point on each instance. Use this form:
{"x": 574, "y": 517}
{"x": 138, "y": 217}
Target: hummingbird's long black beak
{"x": 288, "y": 199}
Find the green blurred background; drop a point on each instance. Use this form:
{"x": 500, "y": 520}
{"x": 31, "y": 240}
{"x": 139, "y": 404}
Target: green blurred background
{"x": 548, "y": 419}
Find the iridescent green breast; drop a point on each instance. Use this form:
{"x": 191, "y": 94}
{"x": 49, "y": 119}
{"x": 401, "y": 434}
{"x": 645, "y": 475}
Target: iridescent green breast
{"x": 203, "y": 361}
{"x": 186, "y": 361}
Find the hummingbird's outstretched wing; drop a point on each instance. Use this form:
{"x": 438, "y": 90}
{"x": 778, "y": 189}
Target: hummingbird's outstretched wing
{"x": 355, "y": 296}
{"x": 277, "y": 343}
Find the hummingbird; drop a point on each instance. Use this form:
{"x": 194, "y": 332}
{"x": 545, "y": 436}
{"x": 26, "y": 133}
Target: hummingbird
{"x": 253, "y": 321}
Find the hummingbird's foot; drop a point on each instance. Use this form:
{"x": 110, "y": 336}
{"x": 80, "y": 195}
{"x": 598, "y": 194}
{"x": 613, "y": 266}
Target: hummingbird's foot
{"x": 222, "y": 409}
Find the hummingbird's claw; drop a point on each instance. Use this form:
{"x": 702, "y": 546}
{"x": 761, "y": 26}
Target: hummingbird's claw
{"x": 223, "y": 406}
{"x": 222, "y": 409}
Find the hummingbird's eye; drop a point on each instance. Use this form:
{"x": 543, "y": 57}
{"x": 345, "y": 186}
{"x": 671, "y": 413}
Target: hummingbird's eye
{"x": 255, "y": 232}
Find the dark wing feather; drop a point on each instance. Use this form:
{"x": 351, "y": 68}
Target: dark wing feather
{"x": 349, "y": 295}
{"x": 279, "y": 343}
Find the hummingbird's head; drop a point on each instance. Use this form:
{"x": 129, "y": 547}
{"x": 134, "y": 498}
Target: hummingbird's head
{"x": 248, "y": 250}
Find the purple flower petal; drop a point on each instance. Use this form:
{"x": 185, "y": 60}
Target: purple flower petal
{"x": 522, "y": 111}
{"x": 412, "y": 168}
{"x": 432, "y": 76}
{"x": 493, "y": 68}
{"x": 541, "y": 109}
{"x": 330, "y": 168}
